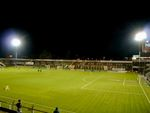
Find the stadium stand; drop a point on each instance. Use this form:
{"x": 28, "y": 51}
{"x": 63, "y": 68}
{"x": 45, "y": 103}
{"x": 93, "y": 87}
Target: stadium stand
{"x": 70, "y": 64}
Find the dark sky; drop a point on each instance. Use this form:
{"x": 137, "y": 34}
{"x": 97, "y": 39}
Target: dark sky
{"x": 85, "y": 32}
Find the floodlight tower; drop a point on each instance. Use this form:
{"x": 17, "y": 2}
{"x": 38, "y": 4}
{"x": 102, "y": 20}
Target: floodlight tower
{"x": 16, "y": 43}
{"x": 140, "y": 36}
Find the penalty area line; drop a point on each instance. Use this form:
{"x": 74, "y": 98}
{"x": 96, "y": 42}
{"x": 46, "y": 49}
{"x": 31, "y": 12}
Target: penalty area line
{"x": 89, "y": 83}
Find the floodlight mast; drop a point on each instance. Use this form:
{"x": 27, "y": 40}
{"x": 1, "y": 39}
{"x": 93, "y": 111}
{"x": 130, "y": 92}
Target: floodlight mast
{"x": 16, "y": 43}
{"x": 140, "y": 36}
{"x": 16, "y": 53}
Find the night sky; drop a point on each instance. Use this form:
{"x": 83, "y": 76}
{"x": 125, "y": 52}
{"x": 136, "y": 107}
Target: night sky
{"x": 71, "y": 33}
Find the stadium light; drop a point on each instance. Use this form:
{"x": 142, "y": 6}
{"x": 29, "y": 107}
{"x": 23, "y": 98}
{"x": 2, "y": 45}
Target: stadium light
{"x": 140, "y": 36}
{"x": 16, "y": 43}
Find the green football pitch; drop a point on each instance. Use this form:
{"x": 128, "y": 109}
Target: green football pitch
{"x": 75, "y": 91}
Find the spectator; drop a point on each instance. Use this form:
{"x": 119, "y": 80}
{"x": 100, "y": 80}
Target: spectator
{"x": 6, "y": 88}
{"x": 18, "y": 105}
{"x": 56, "y": 110}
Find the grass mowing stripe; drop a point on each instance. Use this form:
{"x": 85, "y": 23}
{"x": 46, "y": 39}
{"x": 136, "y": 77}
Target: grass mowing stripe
{"x": 132, "y": 85}
{"x": 84, "y": 80}
{"x": 143, "y": 89}
{"x": 117, "y": 92}
{"x": 116, "y": 80}
{"x": 62, "y": 88}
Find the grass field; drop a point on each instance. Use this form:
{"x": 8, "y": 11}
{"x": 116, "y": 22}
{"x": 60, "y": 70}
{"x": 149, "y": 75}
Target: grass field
{"x": 76, "y": 91}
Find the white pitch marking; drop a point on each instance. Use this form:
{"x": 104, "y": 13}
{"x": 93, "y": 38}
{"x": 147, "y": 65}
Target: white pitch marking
{"x": 124, "y": 82}
{"x": 89, "y": 83}
{"x": 143, "y": 89}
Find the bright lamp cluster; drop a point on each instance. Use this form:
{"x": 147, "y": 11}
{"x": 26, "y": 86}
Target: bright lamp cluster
{"x": 15, "y": 42}
{"x": 140, "y": 36}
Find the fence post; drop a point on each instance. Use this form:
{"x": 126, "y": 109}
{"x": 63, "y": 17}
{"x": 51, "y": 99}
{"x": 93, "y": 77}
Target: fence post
{"x": 13, "y": 103}
{"x": 32, "y": 109}
{"x": 10, "y": 106}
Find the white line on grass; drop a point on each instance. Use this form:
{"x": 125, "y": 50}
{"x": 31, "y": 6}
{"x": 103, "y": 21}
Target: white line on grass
{"x": 38, "y": 104}
{"x": 124, "y": 82}
{"x": 143, "y": 89}
{"x": 89, "y": 83}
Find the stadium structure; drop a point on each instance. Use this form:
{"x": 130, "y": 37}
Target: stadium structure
{"x": 141, "y": 66}
{"x": 113, "y": 85}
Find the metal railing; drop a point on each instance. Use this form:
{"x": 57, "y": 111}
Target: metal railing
{"x": 25, "y": 109}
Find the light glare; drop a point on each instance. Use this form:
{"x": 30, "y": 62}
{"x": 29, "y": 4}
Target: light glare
{"x": 140, "y": 36}
{"x": 16, "y": 42}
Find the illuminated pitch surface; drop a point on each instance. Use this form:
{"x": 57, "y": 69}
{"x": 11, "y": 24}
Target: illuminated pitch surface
{"x": 76, "y": 91}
